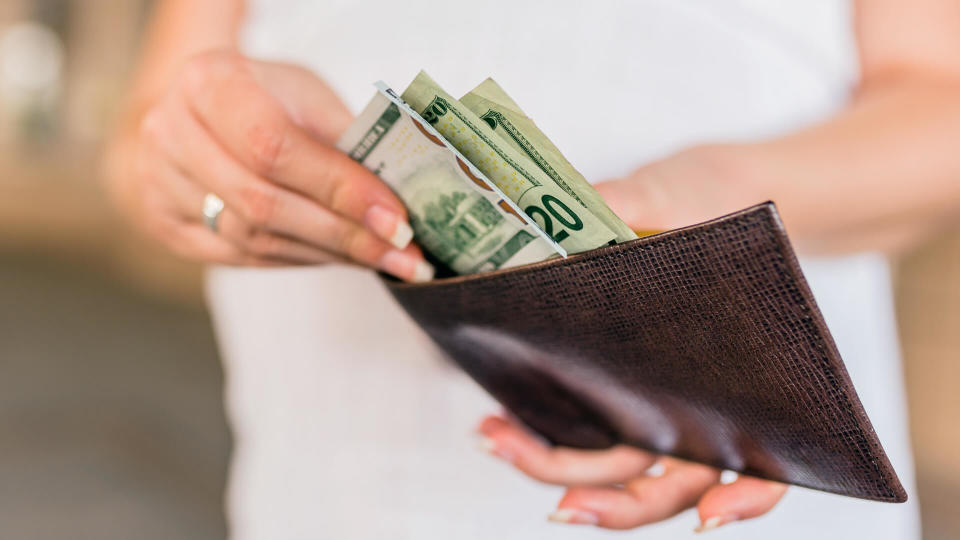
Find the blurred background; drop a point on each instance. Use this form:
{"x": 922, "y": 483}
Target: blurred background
{"x": 111, "y": 422}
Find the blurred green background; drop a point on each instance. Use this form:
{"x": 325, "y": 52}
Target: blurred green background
{"x": 111, "y": 422}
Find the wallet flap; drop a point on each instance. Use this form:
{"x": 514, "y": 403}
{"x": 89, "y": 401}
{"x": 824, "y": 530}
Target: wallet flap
{"x": 703, "y": 343}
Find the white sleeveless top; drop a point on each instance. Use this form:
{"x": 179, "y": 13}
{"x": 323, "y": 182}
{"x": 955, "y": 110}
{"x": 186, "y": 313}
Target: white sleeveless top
{"x": 347, "y": 422}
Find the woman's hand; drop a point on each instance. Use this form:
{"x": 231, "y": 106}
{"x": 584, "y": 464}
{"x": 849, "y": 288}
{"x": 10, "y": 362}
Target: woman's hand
{"x": 259, "y": 136}
{"x": 689, "y": 187}
{"x": 623, "y": 487}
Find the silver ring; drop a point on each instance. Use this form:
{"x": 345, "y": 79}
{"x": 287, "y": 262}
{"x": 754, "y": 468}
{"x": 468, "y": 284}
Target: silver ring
{"x": 212, "y": 206}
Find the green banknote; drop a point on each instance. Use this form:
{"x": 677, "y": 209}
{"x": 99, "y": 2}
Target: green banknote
{"x": 506, "y": 119}
{"x": 561, "y": 215}
{"x": 457, "y": 215}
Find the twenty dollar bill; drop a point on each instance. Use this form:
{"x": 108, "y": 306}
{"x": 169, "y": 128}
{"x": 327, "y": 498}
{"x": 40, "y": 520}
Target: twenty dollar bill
{"x": 560, "y": 215}
{"x": 492, "y": 104}
{"x": 457, "y": 216}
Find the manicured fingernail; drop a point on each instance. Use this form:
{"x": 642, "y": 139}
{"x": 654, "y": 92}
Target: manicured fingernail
{"x": 655, "y": 470}
{"x": 406, "y": 266}
{"x": 424, "y": 272}
{"x": 388, "y": 225}
{"x": 574, "y": 516}
{"x": 712, "y": 523}
{"x": 491, "y": 447}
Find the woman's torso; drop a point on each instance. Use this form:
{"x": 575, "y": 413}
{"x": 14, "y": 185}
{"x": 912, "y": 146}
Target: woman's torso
{"x": 348, "y": 423}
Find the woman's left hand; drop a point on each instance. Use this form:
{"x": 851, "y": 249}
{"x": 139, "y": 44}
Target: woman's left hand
{"x": 624, "y": 487}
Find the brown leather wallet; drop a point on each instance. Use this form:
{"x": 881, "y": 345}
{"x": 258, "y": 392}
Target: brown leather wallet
{"x": 703, "y": 343}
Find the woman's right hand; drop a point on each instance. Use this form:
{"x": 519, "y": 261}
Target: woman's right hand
{"x": 259, "y": 136}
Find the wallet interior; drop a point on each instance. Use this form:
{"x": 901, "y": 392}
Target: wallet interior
{"x": 703, "y": 343}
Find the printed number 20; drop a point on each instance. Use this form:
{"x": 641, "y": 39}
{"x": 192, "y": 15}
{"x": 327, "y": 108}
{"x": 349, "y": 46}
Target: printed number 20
{"x": 561, "y": 212}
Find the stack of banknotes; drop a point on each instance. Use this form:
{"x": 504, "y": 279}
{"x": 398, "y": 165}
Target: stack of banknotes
{"x": 483, "y": 186}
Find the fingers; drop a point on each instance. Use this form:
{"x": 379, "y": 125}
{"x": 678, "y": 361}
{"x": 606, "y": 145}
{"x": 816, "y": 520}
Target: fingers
{"x": 258, "y": 132}
{"x": 288, "y": 194}
{"x": 176, "y": 222}
{"x": 747, "y": 497}
{"x": 618, "y": 488}
{"x": 196, "y": 241}
{"x": 265, "y": 207}
{"x": 187, "y": 199}
{"x": 164, "y": 195}
{"x": 563, "y": 466}
{"x": 644, "y": 500}
{"x": 266, "y": 244}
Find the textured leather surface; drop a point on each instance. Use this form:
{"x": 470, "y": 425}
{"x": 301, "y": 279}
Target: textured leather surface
{"x": 703, "y": 343}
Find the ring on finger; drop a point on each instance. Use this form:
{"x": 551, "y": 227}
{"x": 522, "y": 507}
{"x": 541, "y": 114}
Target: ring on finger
{"x": 212, "y": 207}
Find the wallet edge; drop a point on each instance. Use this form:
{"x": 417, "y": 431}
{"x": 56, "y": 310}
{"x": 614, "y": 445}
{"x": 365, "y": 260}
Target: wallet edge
{"x": 852, "y": 403}
{"x": 882, "y": 463}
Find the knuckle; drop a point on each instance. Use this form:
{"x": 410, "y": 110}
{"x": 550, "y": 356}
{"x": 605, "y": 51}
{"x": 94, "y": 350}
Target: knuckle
{"x": 258, "y": 203}
{"x": 348, "y": 242}
{"x": 337, "y": 193}
{"x": 360, "y": 245}
{"x": 269, "y": 144}
{"x": 342, "y": 184}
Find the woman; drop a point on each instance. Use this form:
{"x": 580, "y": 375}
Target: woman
{"x": 347, "y": 421}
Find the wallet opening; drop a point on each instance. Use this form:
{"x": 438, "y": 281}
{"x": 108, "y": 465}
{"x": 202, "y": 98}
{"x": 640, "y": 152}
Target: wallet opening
{"x": 448, "y": 279}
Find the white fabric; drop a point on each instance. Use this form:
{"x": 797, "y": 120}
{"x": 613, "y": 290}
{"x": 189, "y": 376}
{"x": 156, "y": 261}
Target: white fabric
{"x": 348, "y": 424}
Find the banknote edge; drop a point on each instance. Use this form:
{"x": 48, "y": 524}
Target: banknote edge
{"x": 389, "y": 93}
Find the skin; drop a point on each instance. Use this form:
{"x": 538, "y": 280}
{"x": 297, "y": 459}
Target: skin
{"x": 882, "y": 174}
{"x": 204, "y": 119}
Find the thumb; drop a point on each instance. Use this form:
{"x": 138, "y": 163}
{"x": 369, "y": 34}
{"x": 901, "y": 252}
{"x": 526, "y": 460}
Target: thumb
{"x": 689, "y": 187}
{"x": 641, "y": 202}
{"x": 308, "y": 100}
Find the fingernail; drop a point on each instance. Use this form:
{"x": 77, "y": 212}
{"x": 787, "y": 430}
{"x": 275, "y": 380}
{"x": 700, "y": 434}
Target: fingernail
{"x": 424, "y": 272}
{"x": 491, "y": 447}
{"x": 388, "y": 225}
{"x": 710, "y": 524}
{"x": 574, "y": 516}
{"x": 656, "y": 470}
{"x": 406, "y": 266}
